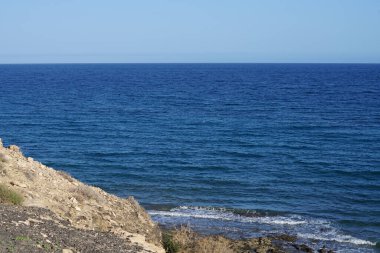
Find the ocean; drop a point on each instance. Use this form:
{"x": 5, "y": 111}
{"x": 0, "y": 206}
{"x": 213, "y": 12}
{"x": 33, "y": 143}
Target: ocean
{"x": 236, "y": 149}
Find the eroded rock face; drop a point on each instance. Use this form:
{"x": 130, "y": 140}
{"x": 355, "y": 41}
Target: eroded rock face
{"x": 83, "y": 206}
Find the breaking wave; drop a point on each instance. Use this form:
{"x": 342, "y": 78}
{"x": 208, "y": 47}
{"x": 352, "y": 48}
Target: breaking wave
{"x": 305, "y": 228}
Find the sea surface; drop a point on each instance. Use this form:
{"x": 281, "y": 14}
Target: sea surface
{"x": 238, "y": 149}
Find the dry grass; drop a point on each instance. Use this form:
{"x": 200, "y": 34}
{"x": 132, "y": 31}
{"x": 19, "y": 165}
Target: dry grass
{"x": 84, "y": 192}
{"x": 66, "y": 176}
{"x": 187, "y": 241}
{"x": 184, "y": 236}
{"x": 213, "y": 245}
{"x": 9, "y": 196}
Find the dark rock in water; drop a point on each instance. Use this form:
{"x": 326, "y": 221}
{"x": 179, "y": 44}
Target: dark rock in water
{"x": 285, "y": 237}
{"x": 324, "y": 250}
{"x": 303, "y": 248}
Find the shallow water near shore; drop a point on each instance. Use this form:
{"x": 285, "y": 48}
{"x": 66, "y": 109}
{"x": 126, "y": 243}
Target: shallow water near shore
{"x": 236, "y": 224}
{"x": 238, "y": 149}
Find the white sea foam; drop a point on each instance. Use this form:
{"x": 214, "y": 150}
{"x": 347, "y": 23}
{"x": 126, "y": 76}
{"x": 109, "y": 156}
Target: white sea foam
{"x": 336, "y": 238}
{"x": 305, "y": 228}
{"x": 223, "y": 214}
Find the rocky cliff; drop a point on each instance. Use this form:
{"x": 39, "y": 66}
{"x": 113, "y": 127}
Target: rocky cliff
{"x": 82, "y": 206}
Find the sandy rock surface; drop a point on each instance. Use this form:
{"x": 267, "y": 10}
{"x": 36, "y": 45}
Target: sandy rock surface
{"x": 83, "y": 206}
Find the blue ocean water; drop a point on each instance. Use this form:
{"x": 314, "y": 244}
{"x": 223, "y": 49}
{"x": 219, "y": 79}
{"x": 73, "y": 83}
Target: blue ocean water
{"x": 237, "y": 149}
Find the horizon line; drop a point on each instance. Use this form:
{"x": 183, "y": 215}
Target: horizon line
{"x": 88, "y": 63}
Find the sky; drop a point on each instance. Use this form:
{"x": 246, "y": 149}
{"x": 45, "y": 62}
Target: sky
{"x": 189, "y": 31}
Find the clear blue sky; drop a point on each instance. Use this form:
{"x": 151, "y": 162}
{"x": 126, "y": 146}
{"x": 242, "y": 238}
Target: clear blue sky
{"x": 189, "y": 31}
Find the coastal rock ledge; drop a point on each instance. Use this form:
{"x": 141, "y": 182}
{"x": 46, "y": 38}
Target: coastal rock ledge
{"x": 79, "y": 206}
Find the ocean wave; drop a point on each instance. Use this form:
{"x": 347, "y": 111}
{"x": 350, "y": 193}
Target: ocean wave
{"x": 337, "y": 238}
{"x": 305, "y": 228}
{"x": 231, "y": 217}
{"x": 228, "y": 215}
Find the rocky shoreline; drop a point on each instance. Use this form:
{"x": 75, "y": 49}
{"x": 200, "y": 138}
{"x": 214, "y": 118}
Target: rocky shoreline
{"x": 188, "y": 241}
{"x": 57, "y": 213}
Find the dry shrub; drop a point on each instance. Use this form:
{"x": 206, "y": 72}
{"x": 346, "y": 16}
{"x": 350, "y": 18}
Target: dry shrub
{"x": 84, "y": 192}
{"x": 184, "y": 236}
{"x": 213, "y": 245}
{"x": 66, "y": 176}
{"x": 190, "y": 242}
{"x": 170, "y": 246}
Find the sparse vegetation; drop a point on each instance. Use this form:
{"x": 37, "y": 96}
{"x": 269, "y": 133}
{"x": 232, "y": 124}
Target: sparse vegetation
{"x": 22, "y": 179}
{"x": 84, "y": 192}
{"x": 184, "y": 236}
{"x": 10, "y": 196}
{"x": 66, "y": 175}
{"x": 213, "y": 245}
{"x": 169, "y": 244}
{"x": 184, "y": 240}
{"x": 22, "y": 238}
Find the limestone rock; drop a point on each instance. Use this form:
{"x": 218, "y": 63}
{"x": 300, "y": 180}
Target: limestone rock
{"x": 72, "y": 200}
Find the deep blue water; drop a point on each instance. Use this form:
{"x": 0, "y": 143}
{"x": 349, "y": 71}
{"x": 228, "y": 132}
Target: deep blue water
{"x": 284, "y": 147}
